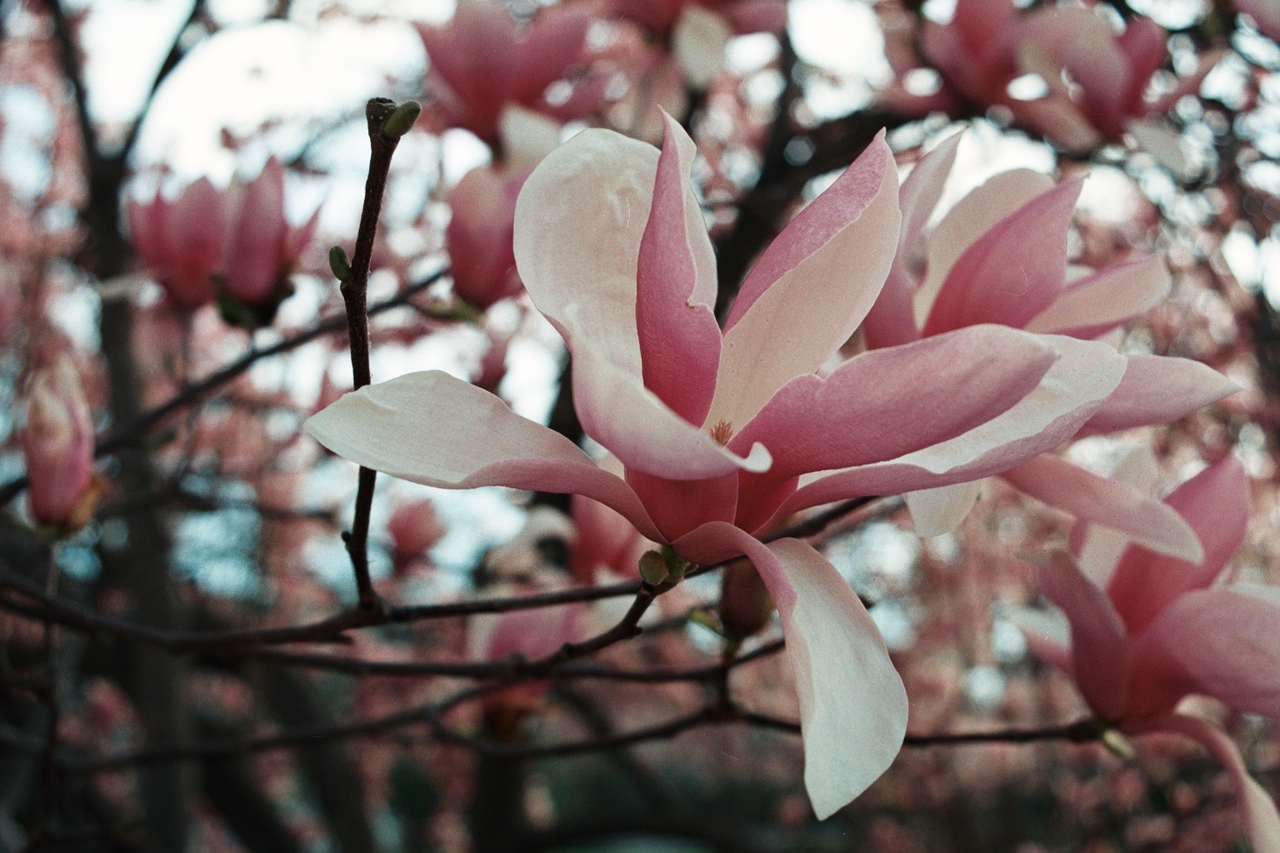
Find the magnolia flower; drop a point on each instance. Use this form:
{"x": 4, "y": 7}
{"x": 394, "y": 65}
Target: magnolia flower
{"x": 722, "y": 433}
{"x": 181, "y": 242}
{"x": 487, "y": 67}
{"x": 698, "y": 30}
{"x": 235, "y": 243}
{"x": 57, "y": 444}
{"x": 263, "y": 247}
{"x": 1146, "y": 630}
{"x": 481, "y": 258}
{"x": 974, "y": 267}
{"x": 1061, "y": 70}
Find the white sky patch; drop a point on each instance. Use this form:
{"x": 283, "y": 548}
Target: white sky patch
{"x": 985, "y": 151}
{"x": 278, "y": 71}
{"x": 28, "y": 126}
{"x": 1109, "y": 195}
{"x": 125, "y": 41}
{"x": 843, "y": 38}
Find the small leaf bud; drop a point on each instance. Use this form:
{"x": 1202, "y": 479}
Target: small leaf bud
{"x": 653, "y": 568}
{"x": 338, "y": 263}
{"x": 402, "y": 120}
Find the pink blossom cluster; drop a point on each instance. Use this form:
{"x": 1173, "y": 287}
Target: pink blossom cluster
{"x": 721, "y": 434}
{"x": 234, "y": 244}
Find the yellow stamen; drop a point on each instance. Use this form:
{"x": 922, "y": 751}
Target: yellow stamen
{"x": 722, "y": 432}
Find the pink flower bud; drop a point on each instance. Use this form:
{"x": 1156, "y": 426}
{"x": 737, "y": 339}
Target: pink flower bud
{"x": 414, "y": 529}
{"x": 263, "y": 247}
{"x": 57, "y": 443}
{"x": 480, "y": 235}
{"x": 180, "y": 243}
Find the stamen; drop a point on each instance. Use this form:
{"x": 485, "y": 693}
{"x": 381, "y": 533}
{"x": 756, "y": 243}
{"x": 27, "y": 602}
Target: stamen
{"x": 722, "y": 432}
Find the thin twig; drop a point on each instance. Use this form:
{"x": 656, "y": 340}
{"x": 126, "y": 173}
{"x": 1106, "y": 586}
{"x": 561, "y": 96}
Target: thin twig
{"x": 355, "y": 291}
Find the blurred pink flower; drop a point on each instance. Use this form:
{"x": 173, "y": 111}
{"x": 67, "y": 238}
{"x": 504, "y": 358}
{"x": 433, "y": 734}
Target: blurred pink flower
{"x": 235, "y": 243}
{"x": 57, "y": 445}
{"x": 1063, "y": 71}
{"x": 973, "y": 268}
{"x": 603, "y": 539}
{"x": 722, "y": 433}
{"x": 486, "y": 66}
{"x": 481, "y": 258}
{"x": 1146, "y": 630}
{"x": 263, "y": 247}
{"x": 414, "y": 528}
{"x": 181, "y": 242}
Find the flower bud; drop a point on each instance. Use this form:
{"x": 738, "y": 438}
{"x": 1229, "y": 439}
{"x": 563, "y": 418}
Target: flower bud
{"x": 745, "y": 605}
{"x": 57, "y": 443}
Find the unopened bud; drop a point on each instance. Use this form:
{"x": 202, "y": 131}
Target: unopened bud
{"x": 745, "y": 605}
{"x": 653, "y": 568}
{"x": 338, "y": 263}
{"x": 57, "y": 443}
{"x": 677, "y": 566}
{"x": 402, "y": 120}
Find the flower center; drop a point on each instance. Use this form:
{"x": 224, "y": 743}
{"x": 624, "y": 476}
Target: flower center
{"x": 722, "y": 432}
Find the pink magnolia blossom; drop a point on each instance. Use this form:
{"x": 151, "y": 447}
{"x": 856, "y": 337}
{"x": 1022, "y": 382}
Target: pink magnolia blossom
{"x": 698, "y": 30}
{"x": 721, "y": 433}
{"x": 486, "y": 66}
{"x": 603, "y": 540}
{"x": 990, "y": 44}
{"x": 57, "y": 445}
{"x": 263, "y": 247}
{"x": 181, "y": 242}
{"x": 1146, "y": 630}
{"x": 974, "y": 267}
{"x": 481, "y": 258}
{"x": 235, "y": 243}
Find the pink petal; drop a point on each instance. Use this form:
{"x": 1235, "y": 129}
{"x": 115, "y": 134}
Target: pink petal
{"x": 859, "y": 414}
{"x": 973, "y": 216}
{"x": 679, "y": 339}
{"x": 433, "y": 429}
{"x": 548, "y": 48}
{"x": 1218, "y": 642}
{"x": 481, "y": 258}
{"x": 256, "y": 255}
{"x": 941, "y": 510}
{"x": 1098, "y": 303}
{"x": 579, "y": 222}
{"x": 1048, "y": 634}
{"x": 1107, "y": 502}
{"x": 194, "y": 242}
{"x": 1216, "y": 504}
{"x": 1072, "y": 390}
{"x": 836, "y": 252}
{"x": 1098, "y": 549}
{"x": 757, "y": 16}
{"x": 1012, "y": 272}
{"x": 853, "y": 707}
{"x": 1157, "y": 390}
{"x": 604, "y": 538}
{"x": 146, "y": 229}
{"x": 891, "y": 321}
{"x": 1258, "y": 810}
{"x": 1101, "y": 655}
{"x": 475, "y": 55}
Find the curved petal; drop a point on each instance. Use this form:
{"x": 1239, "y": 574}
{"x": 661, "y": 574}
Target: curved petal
{"x": 679, "y": 338}
{"x": 261, "y": 232}
{"x": 1258, "y": 810}
{"x": 1012, "y": 272}
{"x": 698, "y": 41}
{"x": 891, "y": 320}
{"x": 1215, "y": 503}
{"x": 974, "y": 215}
{"x": 1113, "y": 504}
{"x": 579, "y": 223}
{"x": 1158, "y": 389}
{"x": 1098, "y": 303}
{"x": 1067, "y": 395}
{"x": 1048, "y": 634}
{"x": 1098, "y": 549}
{"x": 433, "y": 429}
{"x": 941, "y": 510}
{"x": 549, "y": 47}
{"x": 859, "y": 414}
{"x": 836, "y": 252}
{"x": 853, "y": 707}
{"x": 475, "y": 55}
{"x": 1101, "y": 655}
{"x": 1218, "y": 642}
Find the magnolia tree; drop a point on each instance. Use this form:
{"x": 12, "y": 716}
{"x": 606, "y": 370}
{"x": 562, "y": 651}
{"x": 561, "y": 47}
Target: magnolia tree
{"x": 717, "y": 426}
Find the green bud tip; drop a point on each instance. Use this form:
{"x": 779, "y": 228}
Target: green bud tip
{"x": 653, "y": 568}
{"x": 338, "y": 263}
{"x": 402, "y": 120}
{"x": 676, "y": 565}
